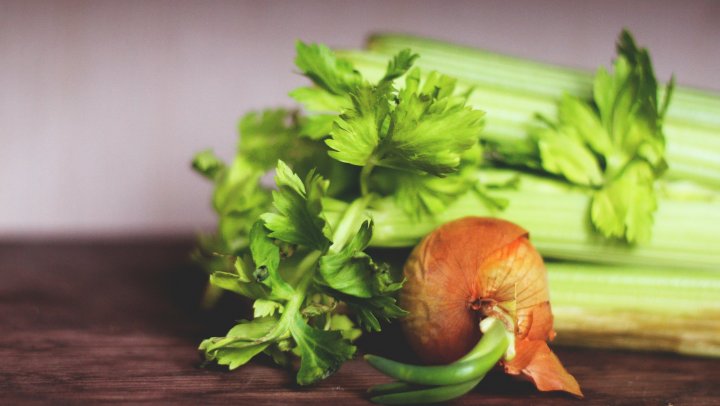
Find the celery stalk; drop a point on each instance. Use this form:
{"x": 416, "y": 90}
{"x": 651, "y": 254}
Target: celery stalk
{"x": 608, "y": 306}
{"x": 530, "y": 76}
{"x": 513, "y": 90}
{"x": 556, "y": 216}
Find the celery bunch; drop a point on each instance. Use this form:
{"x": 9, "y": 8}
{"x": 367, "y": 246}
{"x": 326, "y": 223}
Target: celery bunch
{"x": 382, "y": 152}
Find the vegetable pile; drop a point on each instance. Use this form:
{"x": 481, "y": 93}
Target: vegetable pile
{"x": 654, "y": 287}
{"x": 382, "y": 153}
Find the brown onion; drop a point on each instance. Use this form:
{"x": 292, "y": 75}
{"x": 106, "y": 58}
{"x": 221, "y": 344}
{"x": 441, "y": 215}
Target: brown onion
{"x": 473, "y": 268}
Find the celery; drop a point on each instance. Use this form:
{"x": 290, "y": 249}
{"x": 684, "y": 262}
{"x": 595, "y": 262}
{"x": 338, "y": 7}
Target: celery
{"x": 672, "y": 309}
{"x": 555, "y": 214}
{"x": 513, "y": 90}
{"x": 407, "y": 147}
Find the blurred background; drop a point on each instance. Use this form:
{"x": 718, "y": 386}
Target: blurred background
{"x": 103, "y": 104}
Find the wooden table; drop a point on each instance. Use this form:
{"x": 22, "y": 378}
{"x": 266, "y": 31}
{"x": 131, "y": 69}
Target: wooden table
{"x": 117, "y": 321}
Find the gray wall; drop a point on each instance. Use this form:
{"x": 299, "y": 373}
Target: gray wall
{"x": 103, "y": 103}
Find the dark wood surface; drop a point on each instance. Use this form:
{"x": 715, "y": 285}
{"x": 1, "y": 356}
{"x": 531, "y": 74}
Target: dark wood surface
{"x": 118, "y": 321}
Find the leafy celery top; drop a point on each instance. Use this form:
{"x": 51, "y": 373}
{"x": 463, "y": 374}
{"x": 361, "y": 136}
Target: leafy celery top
{"x": 306, "y": 275}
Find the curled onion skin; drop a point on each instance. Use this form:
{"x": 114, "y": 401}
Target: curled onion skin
{"x": 473, "y": 268}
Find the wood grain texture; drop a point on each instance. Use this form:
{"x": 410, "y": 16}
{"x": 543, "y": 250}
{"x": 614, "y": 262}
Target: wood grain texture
{"x": 117, "y": 322}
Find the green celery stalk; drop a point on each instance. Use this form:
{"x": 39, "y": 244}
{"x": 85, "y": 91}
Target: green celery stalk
{"x": 513, "y": 90}
{"x": 556, "y": 216}
{"x": 531, "y": 76}
{"x": 655, "y": 309}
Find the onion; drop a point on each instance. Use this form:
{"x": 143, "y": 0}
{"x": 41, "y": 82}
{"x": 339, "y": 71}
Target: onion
{"x": 474, "y": 268}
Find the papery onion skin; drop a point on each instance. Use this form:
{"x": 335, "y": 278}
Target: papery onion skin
{"x": 472, "y": 268}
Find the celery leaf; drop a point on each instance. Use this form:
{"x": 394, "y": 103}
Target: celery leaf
{"x": 350, "y": 270}
{"x": 357, "y": 132}
{"x": 299, "y": 219}
{"x": 238, "y": 199}
{"x": 399, "y": 65}
{"x": 320, "y": 100}
{"x": 266, "y": 257}
{"x": 208, "y": 164}
{"x": 615, "y": 147}
{"x": 241, "y": 343}
{"x": 425, "y": 127}
{"x": 319, "y": 63}
{"x": 430, "y": 127}
{"x": 625, "y": 207}
{"x": 234, "y": 283}
{"x": 321, "y": 352}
